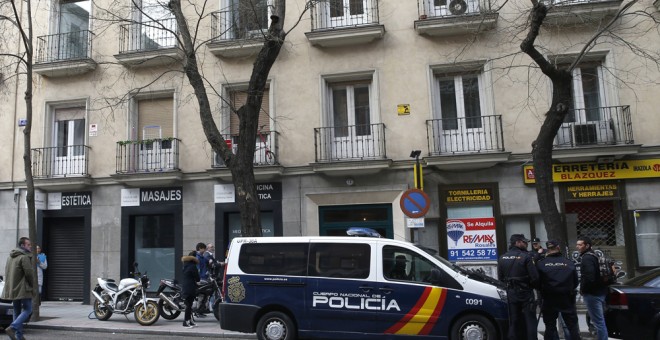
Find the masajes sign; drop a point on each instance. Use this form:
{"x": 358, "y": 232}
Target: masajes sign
{"x": 471, "y": 239}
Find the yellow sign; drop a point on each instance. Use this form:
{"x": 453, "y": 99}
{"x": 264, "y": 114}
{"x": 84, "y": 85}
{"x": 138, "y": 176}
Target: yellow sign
{"x": 403, "y": 109}
{"x": 573, "y": 172}
{"x": 592, "y": 191}
{"x": 468, "y": 195}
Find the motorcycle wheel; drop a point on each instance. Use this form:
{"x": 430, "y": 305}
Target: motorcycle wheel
{"x": 166, "y": 311}
{"x": 101, "y": 312}
{"x": 146, "y": 316}
{"x": 216, "y": 309}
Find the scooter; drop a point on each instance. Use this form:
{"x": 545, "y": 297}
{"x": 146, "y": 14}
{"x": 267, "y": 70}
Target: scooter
{"x": 127, "y": 297}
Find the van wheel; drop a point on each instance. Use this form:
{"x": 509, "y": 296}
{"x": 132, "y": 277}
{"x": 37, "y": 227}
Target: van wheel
{"x": 276, "y": 326}
{"x": 473, "y": 327}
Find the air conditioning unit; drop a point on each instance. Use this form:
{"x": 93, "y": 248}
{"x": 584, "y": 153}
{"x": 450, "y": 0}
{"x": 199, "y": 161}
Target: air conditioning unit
{"x": 585, "y": 134}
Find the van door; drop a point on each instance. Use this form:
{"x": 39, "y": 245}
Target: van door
{"x": 341, "y": 286}
{"x": 414, "y": 306}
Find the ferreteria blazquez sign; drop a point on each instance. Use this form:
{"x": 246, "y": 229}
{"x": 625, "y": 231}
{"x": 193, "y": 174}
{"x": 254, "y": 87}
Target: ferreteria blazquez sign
{"x": 573, "y": 172}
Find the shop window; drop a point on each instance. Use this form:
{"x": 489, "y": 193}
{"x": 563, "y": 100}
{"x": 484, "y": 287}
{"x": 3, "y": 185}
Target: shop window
{"x": 647, "y": 235}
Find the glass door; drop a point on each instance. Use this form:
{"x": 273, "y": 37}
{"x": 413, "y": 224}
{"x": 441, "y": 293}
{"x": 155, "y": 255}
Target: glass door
{"x": 152, "y": 246}
{"x": 352, "y": 135}
{"x": 70, "y": 147}
{"x": 460, "y": 106}
{"x": 73, "y": 30}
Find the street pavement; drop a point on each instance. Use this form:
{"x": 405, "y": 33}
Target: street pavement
{"x": 74, "y": 316}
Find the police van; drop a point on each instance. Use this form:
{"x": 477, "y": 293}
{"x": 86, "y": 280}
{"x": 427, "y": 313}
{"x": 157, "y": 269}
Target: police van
{"x": 284, "y": 288}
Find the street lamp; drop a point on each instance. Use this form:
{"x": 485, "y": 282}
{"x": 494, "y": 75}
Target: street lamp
{"x": 418, "y": 169}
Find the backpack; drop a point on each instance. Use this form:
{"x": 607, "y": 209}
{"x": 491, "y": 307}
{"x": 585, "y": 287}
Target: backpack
{"x": 605, "y": 267}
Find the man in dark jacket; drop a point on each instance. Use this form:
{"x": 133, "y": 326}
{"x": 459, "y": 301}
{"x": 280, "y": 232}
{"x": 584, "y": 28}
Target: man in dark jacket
{"x": 189, "y": 286}
{"x": 558, "y": 283}
{"x": 537, "y": 250}
{"x": 592, "y": 287}
{"x": 19, "y": 284}
{"x": 516, "y": 269}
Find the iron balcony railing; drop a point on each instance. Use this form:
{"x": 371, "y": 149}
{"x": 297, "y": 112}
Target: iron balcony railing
{"x": 350, "y": 143}
{"x": 448, "y": 8}
{"x": 64, "y": 46}
{"x": 152, "y": 155}
{"x": 264, "y": 154}
{"x": 60, "y": 161}
{"x": 344, "y": 13}
{"x": 146, "y": 36}
{"x": 609, "y": 125}
{"x": 238, "y": 23}
{"x": 465, "y": 135}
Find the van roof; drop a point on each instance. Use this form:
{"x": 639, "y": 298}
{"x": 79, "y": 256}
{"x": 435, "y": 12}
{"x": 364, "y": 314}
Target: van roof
{"x": 301, "y": 239}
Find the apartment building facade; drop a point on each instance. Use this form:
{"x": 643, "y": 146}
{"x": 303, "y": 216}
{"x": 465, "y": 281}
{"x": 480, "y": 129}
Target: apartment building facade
{"x": 124, "y": 174}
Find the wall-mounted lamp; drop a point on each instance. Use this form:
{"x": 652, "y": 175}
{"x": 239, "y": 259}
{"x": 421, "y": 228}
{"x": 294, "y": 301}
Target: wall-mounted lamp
{"x": 350, "y": 181}
{"x": 415, "y": 153}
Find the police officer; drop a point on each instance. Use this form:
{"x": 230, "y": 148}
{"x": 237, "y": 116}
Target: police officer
{"x": 516, "y": 268}
{"x": 537, "y": 250}
{"x": 559, "y": 281}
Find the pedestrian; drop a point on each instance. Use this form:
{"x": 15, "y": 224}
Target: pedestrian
{"x": 537, "y": 249}
{"x": 202, "y": 265}
{"x": 189, "y": 286}
{"x": 42, "y": 264}
{"x": 558, "y": 281}
{"x": 593, "y": 289}
{"x": 516, "y": 268}
{"x": 19, "y": 285}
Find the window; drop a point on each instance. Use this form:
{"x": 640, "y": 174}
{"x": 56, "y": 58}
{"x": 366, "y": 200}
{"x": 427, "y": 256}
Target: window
{"x": 463, "y": 119}
{"x": 274, "y": 258}
{"x": 351, "y": 128}
{"x": 647, "y": 235}
{"x": 152, "y": 242}
{"x": 248, "y": 18}
{"x": 588, "y": 93}
{"x": 401, "y": 264}
{"x": 72, "y": 37}
{"x": 343, "y": 13}
{"x": 152, "y": 126}
{"x": 155, "y": 26}
{"x": 349, "y": 260}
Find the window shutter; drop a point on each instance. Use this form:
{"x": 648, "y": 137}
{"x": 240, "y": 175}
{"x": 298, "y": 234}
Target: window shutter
{"x": 238, "y": 99}
{"x": 156, "y": 112}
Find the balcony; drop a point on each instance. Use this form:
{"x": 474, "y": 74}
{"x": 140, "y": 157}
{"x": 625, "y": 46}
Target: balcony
{"x": 61, "y": 168}
{"x": 465, "y": 143}
{"x": 454, "y": 17}
{"x": 334, "y": 24}
{"x": 146, "y": 44}
{"x": 595, "y": 132}
{"x": 152, "y": 161}
{"x": 572, "y": 12}
{"x": 232, "y": 38}
{"x": 64, "y": 54}
{"x": 350, "y": 149}
{"x": 266, "y": 164}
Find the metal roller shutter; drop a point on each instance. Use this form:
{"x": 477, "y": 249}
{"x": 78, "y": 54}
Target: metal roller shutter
{"x": 64, "y": 246}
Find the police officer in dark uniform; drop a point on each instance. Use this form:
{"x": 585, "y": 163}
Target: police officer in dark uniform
{"x": 537, "y": 250}
{"x": 516, "y": 268}
{"x": 559, "y": 281}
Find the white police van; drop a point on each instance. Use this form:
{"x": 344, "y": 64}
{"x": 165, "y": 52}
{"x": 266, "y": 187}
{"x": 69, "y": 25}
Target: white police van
{"x": 284, "y": 288}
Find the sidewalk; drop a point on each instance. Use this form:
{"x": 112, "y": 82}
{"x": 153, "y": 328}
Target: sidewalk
{"x": 75, "y": 316}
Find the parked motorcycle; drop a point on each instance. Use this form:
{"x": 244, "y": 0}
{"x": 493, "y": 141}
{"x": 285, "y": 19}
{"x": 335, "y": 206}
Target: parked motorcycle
{"x": 171, "y": 303}
{"x": 127, "y": 297}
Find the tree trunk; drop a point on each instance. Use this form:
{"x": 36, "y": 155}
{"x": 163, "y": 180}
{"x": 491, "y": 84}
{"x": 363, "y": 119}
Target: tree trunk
{"x": 241, "y": 164}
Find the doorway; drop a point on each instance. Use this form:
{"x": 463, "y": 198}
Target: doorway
{"x": 64, "y": 242}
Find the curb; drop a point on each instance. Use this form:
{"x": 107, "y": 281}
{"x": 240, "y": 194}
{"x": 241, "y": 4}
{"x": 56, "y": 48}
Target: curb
{"x": 140, "y": 331}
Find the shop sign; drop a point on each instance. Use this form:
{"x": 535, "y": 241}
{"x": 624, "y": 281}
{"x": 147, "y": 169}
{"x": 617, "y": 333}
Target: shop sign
{"x": 592, "y": 191}
{"x": 225, "y": 193}
{"x": 151, "y": 196}
{"x": 69, "y": 200}
{"x": 573, "y": 172}
{"x": 468, "y": 195}
{"x": 471, "y": 239}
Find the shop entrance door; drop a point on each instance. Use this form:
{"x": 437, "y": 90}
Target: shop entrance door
{"x": 64, "y": 244}
{"x": 335, "y": 220}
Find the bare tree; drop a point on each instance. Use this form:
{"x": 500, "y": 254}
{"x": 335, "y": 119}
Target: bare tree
{"x": 561, "y": 79}
{"x": 16, "y": 17}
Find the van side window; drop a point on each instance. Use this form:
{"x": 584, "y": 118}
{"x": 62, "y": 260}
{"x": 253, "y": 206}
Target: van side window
{"x": 344, "y": 260}
{"x": 274, "y": 258}
{"x": 401, "y": 264}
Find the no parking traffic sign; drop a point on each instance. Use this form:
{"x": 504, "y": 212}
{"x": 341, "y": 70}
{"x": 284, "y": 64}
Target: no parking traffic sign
{"x": 415, "y": 203}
